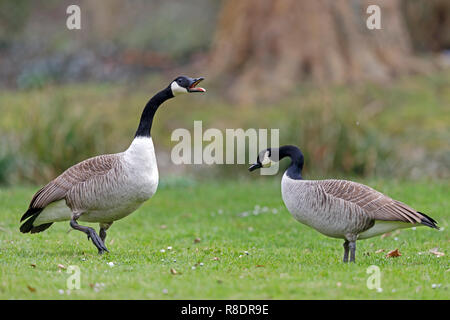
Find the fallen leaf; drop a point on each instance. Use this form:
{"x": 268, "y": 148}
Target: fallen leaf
{"x": 215, "y": 259}
{"x": 60, "y": 266}
{"x": 31, "y": 289}
{"x": 33, "y": 265}
{"x": 436, "y": 252}
{"x": 393, "y": 254}
{"x": 260, "y": 266}
{"x": 173, "y": 271}
{"x": 197, "y": 240}
{"x": 388, "y": 234}
{"x": 380, "y": 250}
{"x": 163, "y": 226}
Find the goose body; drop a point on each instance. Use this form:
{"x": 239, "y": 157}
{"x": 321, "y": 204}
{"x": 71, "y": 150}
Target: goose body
{"x": 105, "y": 188}
{"x": 339, "y": 208}
{"x": 312, "y": 203}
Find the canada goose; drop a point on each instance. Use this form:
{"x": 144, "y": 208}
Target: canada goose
{"x": 105, "y": 188}
{"x": 339, "y": 208}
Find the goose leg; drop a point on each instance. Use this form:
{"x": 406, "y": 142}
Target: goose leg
{"x": 103, "y": 228}
{"x": 352, "y": 246}
{"x": 346, "y": 251}
{"x": 91, "y": 234}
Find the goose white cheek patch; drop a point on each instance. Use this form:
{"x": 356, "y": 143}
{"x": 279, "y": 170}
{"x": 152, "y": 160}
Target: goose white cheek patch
{"x": 269, "y": 167}
{"x": 177, "y": 89}
{"x": 266, "y": 163}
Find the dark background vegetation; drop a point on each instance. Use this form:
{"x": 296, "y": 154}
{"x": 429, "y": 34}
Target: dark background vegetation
{"x": 358, "y": 102}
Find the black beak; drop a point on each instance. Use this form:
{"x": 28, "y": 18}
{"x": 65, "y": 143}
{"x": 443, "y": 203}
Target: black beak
{"x": 193, "y": 85}
{"x": 255, "y": 166}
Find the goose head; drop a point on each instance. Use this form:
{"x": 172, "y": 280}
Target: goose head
{"x": 183, "y": 84}
{"x": 264, "y": 160}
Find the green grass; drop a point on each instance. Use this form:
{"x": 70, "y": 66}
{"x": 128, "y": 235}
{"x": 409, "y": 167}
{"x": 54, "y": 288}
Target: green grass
{"x": 286, "y": 260}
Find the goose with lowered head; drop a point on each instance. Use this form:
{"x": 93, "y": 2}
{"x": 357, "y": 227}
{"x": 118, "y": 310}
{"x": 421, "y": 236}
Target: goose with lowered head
{"x": 339, "y": 208}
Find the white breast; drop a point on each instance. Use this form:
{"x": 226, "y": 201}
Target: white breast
{"x": 140, "y": 166}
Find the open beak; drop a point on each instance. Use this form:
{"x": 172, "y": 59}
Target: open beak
{"x": 255, "y": 166}
{"x": 193, "y": 86}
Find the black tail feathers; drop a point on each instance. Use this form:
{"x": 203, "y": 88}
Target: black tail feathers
{"x": 428, "y": 221}
{"x": 27, "y": 226}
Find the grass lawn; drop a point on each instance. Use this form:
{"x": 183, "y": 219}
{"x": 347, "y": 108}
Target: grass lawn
{"x": 267, "y": 255}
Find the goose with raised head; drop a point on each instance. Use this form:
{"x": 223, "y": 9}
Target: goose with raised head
{"x": 339, "y": 208}
{"x": 105, "y": 188}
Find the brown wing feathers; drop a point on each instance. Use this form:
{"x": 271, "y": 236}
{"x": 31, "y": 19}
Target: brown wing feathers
{"x": 48, "y": 194}
{"x": 58, "y": 188}
{"x": 377, "y": 205}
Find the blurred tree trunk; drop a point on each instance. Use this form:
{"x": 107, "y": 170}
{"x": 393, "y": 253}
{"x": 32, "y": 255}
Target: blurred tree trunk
{"x": 429, "y": 23}
{"x": 264, "y": 47}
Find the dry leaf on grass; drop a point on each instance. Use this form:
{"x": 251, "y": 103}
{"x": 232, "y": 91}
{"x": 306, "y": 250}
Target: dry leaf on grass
{"x": 197, "y": 240}
{"x": 380, "y": 250}
{"x": 31, "y": 288}
{"x": 260, "y": 266}
{"x": 33, "y": 265}
{"x": 173, "y": 271}
{"x": 61, "y": 266}
{"x": 436, "y": 252}
{"x": 393, "y": 254}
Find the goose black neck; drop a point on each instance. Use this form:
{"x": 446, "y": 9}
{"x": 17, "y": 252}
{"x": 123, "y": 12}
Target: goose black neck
{"x": 145, "y": 125}
{"x": 295, "y": 168}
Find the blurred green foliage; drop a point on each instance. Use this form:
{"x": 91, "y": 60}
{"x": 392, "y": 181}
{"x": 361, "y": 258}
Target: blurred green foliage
{"x": 13, "y": 17}
{"x": 177, "y": 28}
{"x": 398, "y": 129}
